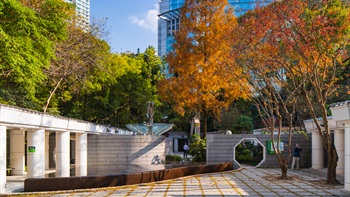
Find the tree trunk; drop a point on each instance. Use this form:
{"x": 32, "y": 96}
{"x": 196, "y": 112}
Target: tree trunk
{"x": 283, "y": 166}
{"x": 51, "y": 94}
{"x": 332, "y": 166}
{"x": 327, "y": 140}
{"x": 284, "y": 170}
{"x": 204, "y": 125}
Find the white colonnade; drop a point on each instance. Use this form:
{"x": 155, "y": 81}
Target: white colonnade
{"x": 38, "y": 153}
{"x": 17, "y": 121}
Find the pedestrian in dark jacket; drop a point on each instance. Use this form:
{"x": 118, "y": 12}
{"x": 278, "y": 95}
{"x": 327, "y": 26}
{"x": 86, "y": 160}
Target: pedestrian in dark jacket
{"x": 296, "y": 156}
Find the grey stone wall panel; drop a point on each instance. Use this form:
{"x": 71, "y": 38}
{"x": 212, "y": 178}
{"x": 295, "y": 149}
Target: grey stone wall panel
{"x": 121, "y": 151}
{"x": 220, "y": 148}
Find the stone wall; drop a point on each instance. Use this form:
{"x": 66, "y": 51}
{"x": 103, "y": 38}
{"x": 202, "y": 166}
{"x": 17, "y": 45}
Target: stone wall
{"x": 220, "y": 148}
{"x": 123, "y": 152}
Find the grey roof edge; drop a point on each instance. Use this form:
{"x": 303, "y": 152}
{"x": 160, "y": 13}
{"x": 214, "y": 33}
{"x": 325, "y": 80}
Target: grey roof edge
{"x": 319, "y": 119}
{"x": 338, "y": 104}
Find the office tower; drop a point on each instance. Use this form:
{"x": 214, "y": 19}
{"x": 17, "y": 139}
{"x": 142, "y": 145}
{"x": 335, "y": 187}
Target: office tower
{"x": 169, "y": 19}
{"x": 82, "y": 10}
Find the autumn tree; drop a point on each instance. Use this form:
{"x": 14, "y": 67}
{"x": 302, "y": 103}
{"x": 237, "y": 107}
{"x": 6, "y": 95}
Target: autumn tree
{"x": 316, "y": 37}
{"x": 267, "y": 83}
{"x": 307, "y": 43}
{"x": 204, "y": 77}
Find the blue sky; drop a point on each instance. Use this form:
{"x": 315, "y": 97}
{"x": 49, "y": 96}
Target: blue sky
{"x": 132, "y": 23}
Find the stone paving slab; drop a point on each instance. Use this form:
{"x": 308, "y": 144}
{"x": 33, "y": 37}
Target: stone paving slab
{"x": 244, "y": 182}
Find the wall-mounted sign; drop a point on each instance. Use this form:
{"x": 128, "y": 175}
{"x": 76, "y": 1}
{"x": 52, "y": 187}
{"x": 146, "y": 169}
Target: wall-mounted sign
{"x": 270, "y": 149}
{"x": 31, "y": 149}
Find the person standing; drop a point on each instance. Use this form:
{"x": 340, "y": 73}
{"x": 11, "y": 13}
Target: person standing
{"x": 296, "y": 156}
{"x": 185, "y": 147}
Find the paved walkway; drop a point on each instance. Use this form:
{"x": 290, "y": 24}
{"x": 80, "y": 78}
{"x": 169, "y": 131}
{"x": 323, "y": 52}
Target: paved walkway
{"x": 248, "y": 181}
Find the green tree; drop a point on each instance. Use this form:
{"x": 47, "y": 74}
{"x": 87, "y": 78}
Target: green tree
{"x": 153, "y": 67}
{"x": 231, "y": 118}
{"x": 243, "y": 124}
{"x": 27, "y": 38}
{"x": 123, "y": 89}
{"x": 76, "y": 60}
{"x": 198, "y": 148}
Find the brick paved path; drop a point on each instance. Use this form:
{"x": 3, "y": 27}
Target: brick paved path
{"x": 244, "y": 182}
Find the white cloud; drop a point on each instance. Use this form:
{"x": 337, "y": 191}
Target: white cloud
{"x": 149, "y": 22}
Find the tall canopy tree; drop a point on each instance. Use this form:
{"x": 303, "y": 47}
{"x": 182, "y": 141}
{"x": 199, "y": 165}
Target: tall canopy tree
{"x": 76, "y": 58}
{"x": 204, "y": 77}
{"x": 27, "y": 38}
{"x": 120, "y": 91}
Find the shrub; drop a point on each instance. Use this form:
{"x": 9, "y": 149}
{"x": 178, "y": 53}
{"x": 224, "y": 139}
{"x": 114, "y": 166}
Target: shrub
{"x": 174, "y": 158}
{"x": 198, "y": 149}
{"x": 243, "y": 124}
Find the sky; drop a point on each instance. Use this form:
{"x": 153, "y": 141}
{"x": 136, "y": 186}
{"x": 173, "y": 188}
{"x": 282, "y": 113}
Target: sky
{"x": 132, "y": 23}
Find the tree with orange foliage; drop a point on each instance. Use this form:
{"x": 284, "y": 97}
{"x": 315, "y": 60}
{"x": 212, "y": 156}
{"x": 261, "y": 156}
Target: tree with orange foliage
{"x": 308, "y": 43}
{"x": 316, "y": 38}
{"x": 273, "y": 97}
{"x": 204, "y": 77}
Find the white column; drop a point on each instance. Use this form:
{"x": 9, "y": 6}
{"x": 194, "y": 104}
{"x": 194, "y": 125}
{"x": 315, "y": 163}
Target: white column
{"x": 47, "y": 152}
{"x": 17, "y": 156}
{"x": 81, "y": 154}
{"x": 36, "y": 153}
{"x": 176, "y": 145}
{"x": 317, "y": 151}
{"x": 339, "y": 146}
{"x": 62, "y": 154}
{"x": 347, "y": 157}
{"x": 2, "y": 158}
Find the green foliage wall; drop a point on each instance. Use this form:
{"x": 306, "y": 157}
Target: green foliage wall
{"x": 27, "y": 39}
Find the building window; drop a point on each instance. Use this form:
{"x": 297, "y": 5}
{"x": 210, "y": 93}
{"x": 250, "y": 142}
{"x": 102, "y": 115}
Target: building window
{"x": 173, "y": 26}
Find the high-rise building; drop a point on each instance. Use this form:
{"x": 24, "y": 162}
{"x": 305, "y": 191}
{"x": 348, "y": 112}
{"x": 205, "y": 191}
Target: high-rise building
{"x": 169, "y": 19}
{"x": 82, "y": 10}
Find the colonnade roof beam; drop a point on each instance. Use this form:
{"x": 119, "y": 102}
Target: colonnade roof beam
{"x": 15, "y": 117}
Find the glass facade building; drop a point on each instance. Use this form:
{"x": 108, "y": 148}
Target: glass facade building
{"x": 169, "y": 19}
{"x": 82, "y": 10}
